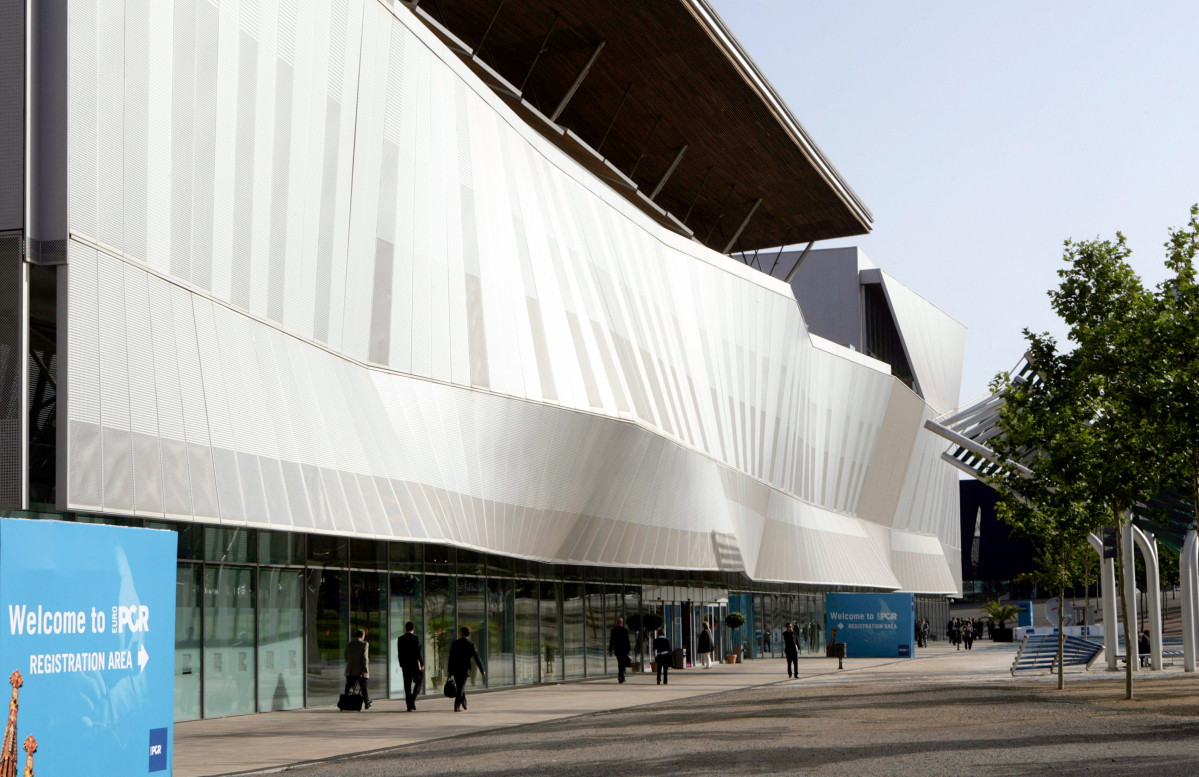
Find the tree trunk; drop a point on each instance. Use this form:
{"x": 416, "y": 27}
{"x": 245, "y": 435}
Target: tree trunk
{"x": 1061, "y": 632}
{"x": 1129, "y": 650}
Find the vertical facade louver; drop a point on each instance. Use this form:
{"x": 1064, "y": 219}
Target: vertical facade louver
{"x": 320, "y": 278}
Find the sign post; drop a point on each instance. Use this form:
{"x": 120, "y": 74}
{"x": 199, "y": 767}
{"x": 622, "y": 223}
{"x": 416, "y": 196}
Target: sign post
{"x": 87, "y": 647}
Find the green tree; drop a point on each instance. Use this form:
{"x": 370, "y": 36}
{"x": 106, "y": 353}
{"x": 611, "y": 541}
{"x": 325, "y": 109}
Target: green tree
{"x": 1074, "y": 450}
{"x": 1170, "y": 363}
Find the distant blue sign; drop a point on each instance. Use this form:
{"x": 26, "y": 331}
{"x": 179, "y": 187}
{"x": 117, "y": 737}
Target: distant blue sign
{"x": 873, "y": 625}
{"x": 1025, "y": 616}
{"x": 87, "y": 648}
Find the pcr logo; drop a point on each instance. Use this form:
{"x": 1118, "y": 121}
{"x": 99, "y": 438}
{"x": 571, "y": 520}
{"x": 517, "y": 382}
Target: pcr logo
{"x": 158, "y": 749}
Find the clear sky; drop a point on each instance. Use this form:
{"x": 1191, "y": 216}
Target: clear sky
{"x": 982, "y": 135}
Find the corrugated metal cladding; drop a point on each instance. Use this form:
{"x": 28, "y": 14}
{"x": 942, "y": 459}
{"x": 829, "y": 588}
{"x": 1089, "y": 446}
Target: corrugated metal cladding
{"x": 11, "y": 315}
{"x": 12, "y": 114}
{"x": 356, "y": 294}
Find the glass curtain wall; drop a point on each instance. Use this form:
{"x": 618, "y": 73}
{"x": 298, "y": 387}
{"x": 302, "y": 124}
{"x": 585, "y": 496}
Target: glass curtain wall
{"x": 280, "y": 639}
{"x": 551, "y": 631}
{"x": 472, "y": 612}
{"x": 326, "y": 622}
{"x": 573, "y": 639}
{"x": 230, "y": 671}
{"x": 501, "y": 632}
{"x": 404, "y": 604}
{"x": 188, "y": 630}
{"x": 262, "y": 618}
{"x": 596, "y": 643}
{"x": 368, "y": 611}
{"x": 440, "y": 625}
{"x": 528, "y": 631}
{"x": 613, "y": 609}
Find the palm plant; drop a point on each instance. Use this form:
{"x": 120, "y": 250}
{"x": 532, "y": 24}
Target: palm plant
{"x": 1000, "y": 613}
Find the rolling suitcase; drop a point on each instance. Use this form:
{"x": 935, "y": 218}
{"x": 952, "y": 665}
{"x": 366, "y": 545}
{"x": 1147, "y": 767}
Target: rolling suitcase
{"x": 350, "y": 702}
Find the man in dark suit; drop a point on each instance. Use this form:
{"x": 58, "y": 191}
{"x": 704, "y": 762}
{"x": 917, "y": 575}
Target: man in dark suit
{"x": 357, "y": 664}
{"x": 618, "y": 645}
{"x": 462, "y": 652}
{"x": 412, "y": 663}
{"x": 662, "y": 657}
{"x": 791, "y": 651}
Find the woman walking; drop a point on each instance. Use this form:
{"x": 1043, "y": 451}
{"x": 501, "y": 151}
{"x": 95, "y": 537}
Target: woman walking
{"x": 704, "y": 648}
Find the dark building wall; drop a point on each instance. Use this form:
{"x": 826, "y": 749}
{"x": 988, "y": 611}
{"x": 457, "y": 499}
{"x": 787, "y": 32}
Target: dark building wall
{"x": 1001, "y": 556}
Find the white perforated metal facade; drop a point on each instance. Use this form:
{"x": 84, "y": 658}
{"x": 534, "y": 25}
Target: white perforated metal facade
{"x": 321, "y": 278}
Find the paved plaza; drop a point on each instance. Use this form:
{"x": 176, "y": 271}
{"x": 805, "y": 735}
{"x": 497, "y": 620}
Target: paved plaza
{"x": 944, "y": 712}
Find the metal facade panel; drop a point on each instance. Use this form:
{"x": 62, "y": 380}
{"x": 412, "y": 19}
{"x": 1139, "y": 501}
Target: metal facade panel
{"x": 12, "y": 117}
{"x": 82, "y": 118}
{"x": 12, "y": 374}
{"x": 693, "y": 402}
{"x": 935, "y": 344}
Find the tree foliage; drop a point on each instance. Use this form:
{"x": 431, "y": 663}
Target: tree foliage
{"x": 1074, "y": 451}
{"x": 1169, "y": 367}
{"x": 1000, "y": 613}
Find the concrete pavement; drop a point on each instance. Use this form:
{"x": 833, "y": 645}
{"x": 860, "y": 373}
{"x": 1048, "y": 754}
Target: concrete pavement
{"x": 272, "y": 741}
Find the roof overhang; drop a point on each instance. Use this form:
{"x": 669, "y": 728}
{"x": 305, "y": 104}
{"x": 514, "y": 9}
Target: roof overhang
{"x": 661, "y": 100}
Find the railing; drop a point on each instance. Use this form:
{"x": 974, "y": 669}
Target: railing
{"x": 1039, "y": 652}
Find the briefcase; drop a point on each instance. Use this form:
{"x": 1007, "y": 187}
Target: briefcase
{"x": 350, "y": 702}
{"x": 451, "y": 689}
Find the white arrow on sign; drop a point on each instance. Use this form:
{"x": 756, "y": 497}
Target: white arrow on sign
{"x": 142, "y": 658}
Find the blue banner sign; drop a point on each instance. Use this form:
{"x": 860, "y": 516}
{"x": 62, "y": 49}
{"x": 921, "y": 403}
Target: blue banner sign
{"x": 1025, "y": 616}
{"x": 873, "y": 625}
{"x": 87, "y": 648}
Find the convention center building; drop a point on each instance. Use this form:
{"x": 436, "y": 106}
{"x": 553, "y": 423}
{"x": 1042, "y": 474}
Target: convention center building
{"x": 464, "y": 312}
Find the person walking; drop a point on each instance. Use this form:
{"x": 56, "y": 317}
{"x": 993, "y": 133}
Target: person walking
{"x": 791, "y": 651}
{"x": 357, "y": 666}
{"x": 968, "y": 633}
{"x": 618, "y": 646}
{"x": 704, "y": 646}
{"x": 412, "y": 663}
{"x": 662, "y": 657}
{"x": 462, "y": 652}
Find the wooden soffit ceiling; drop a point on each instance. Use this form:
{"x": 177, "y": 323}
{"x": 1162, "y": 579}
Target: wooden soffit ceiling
{"x": 668, "y": 108}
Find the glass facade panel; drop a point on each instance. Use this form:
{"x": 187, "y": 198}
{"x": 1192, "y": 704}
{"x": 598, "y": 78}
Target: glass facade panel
{"x": 573, "y": 625}
{"x": 229, "y": 545}
{"x": 597, "y": 646}
{"x": 280, "y": 639}
{"x": 528, "y": 650}
{"x": 277, "y": 547}
{"x": 439, "y": 559}
{"x": 471, "y": 562}
{"x": 229, "y": 637}
{"x": 472, "y": 612}
{"x": 440, "y": 625}
{"x": 272, "y": 637}
{"x": 368, "y": 554}
{"x": 187, "y": 642}
{"x": 327, "y": 551}
{"x": 405, "y": 605}
{"x": 613, "y": 609}
{"x": 501, "y": 632}
{"x": 551, "y": 631}
{"x": 327, "y": 617}
{"x": 406, "y": 557}
{"x": 368, "y": 611}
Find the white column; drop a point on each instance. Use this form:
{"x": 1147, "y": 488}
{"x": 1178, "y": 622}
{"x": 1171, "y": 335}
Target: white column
{"x": 1107, "y": 599}
{"x": 1153, "y": 581}
{"x": 1130, "y": 590}
{"x": 1186, "y": 564}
